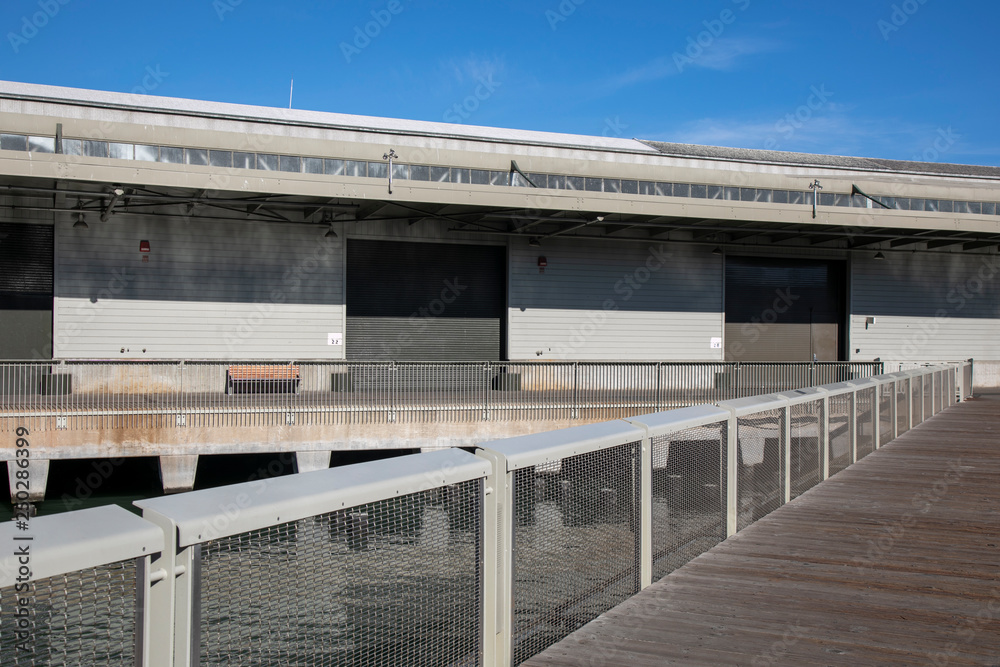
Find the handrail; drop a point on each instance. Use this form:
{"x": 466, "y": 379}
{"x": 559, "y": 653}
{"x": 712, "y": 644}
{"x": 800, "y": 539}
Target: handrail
{"x": 65, "y": 394}
{"x": 493, "y": 556}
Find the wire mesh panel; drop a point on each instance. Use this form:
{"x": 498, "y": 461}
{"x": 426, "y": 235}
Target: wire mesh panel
{"x": 759, "y": 485}
{"x": 806, "y": 450}
{"x": 967, "y": 379}
{"x": 902, "y": 406}
{"x": 840, "y": 407}
{"x": 688, "y": 495}
{"x": 87, "y": 617}
{"x": 887, "y": 400}
{"x": 395, "y": 582}
{"x": 865, "y": 415}
{"x": 575, "y": 546}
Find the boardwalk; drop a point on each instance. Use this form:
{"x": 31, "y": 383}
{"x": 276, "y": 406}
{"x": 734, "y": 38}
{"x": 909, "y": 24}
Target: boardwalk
{"x": 895, "y": 561}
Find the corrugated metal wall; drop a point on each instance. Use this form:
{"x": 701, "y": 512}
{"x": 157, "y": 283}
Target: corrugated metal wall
{"x": 209, "y": 290}
{"x": 609, "y": 300}
{"x": 926, "y": 307}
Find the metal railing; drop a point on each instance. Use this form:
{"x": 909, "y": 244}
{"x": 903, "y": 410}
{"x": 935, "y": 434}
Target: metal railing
{"x": 73, "y": 589}
{"x": 442, "y": 558}
{"x": 89, "y": 394}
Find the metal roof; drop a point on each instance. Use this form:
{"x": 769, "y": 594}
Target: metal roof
{"x": 785, "y": 158}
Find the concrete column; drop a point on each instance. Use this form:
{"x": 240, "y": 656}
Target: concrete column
{"x": 177, "y": 472}
{"x": 312, "y": 461}
{"x": 35, "y": 477}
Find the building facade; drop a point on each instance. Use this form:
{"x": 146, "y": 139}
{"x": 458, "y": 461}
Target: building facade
{"x": 144, "y": 228}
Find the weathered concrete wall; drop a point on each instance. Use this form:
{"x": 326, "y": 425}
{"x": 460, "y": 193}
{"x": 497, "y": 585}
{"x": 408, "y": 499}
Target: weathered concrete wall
{"x": 181, "y": 441}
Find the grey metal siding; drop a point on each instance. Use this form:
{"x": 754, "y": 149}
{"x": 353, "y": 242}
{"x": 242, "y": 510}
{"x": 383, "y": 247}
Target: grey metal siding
{"x": 211, "y": 290}
{"x": 597, "y": 301}
{"x": 926, "y": 307}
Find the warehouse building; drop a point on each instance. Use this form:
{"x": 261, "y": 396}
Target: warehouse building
{"x": 145, "y": 228}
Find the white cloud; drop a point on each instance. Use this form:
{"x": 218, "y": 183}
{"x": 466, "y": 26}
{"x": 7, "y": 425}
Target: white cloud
{"x": 722, "y": 54}
{"x": 473, "y": 68}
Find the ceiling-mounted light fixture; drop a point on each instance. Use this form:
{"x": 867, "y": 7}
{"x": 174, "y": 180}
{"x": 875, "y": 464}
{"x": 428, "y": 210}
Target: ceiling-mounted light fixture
{"x": 716, "y": 250}
{"x": 534, "y": 242}
{"x": 879, "y": 255}
{"x": 328, "y": 220}
{"x": 80, "y": 222}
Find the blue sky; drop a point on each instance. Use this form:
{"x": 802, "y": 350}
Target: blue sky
{"x": 910, "y": 79}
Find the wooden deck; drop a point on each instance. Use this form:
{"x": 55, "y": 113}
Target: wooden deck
{"x": 894, "y": 561}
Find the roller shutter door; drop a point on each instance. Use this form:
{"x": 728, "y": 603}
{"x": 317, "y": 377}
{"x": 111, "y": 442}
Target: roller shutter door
{"x": 784, "y": 309}
{"x": 425, "y": 301}
{"x": 25, "y": 291}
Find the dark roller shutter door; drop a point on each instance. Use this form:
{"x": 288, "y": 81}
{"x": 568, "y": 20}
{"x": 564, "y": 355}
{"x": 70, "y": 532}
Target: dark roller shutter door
{"x": 425, "y": 301}
{"x": 784, "y": 309}
{"x": 26, "y": 253}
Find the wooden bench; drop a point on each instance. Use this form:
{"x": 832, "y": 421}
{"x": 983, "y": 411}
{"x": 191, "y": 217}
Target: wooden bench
{"x": 270, "y": 378}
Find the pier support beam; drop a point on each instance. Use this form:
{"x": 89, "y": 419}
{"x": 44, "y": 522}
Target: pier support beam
{"x": 177, "y": 472}
{"x": 34, "y": 477}
{"x": 312, "y": 461}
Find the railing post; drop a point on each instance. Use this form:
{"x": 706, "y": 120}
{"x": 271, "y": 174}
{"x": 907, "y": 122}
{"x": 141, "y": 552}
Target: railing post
{"x": 972, "y": 377}
{"x": 786, "y": 436}
{"x": 172, "y": 599}
{"x": 732, "y": 473}
{"x": 646, "y": 513}
{"x": 852, "y": 425}
{"x": 920, "y": 402}
{"x": 825, "y": 445}
{"x": 877, "y": 418}
{"x": 894, "y": 410}
{"x": 495, "y": 547}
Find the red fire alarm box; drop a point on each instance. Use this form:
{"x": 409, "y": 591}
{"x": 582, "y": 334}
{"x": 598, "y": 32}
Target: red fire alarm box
{"x": 143, "y": 246}
{"x": 542, "y": 263}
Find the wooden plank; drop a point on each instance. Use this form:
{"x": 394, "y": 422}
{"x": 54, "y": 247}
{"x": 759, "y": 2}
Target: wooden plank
{"x": 894, "y": 561}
